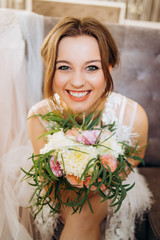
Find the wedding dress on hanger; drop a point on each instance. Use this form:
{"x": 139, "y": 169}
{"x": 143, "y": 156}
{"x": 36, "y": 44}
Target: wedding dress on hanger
{"x": 15, "y": 101}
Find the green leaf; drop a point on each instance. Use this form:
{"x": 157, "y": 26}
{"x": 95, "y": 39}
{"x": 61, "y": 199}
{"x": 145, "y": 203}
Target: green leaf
{"x": 103, "y": 178}
{"x": 48, "y": 133}
{"x": 73, "y": 119}
{"x": 77, "y": 150}
{"x": 89, "y": 121}
{"x": 95, "y": 174}
{"x": 88, "y": 166}
{"x": 109, "y": 175}
{"x": 90, "y": 206}
{"x": 129, "y": 188}
{"x": 115, "y": 194}
{"x": 98, "y": 137}
{"x": 94, "y": 122}
{"x": 101, "y": 145}
{"x": 137, "y": 158}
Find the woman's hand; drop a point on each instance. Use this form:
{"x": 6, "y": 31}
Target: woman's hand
{"x": 86, "y": 225}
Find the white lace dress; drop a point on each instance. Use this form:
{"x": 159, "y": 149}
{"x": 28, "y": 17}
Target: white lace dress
{"x": 119, "y": 226}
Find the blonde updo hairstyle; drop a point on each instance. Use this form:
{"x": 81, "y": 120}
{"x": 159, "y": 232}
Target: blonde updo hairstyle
{"x": 73, "y": 27}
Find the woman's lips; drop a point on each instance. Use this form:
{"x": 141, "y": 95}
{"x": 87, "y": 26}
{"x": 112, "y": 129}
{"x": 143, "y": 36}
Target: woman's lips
{"x": 78, "y": 95}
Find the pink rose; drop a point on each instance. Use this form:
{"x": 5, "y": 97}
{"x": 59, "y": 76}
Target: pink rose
{"x": 55, "y": 167}
{"x": 110, "y": 161}
{"x": 88, "y": 137}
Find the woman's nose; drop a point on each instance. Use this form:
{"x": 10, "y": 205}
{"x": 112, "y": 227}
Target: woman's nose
{"x": 77, "y": 79}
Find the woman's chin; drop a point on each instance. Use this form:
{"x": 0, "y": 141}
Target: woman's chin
{"x": 78, "y": 110}
{"x": 79, "y": 107}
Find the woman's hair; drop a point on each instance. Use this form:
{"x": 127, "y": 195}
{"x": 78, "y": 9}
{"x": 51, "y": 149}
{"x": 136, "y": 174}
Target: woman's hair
{"x": 73, "y": 27}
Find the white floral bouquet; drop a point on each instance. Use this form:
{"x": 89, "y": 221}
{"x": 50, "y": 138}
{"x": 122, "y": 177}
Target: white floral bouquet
{"x": 80, "y": 158}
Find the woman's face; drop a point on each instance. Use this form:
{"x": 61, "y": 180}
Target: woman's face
{"x": 79, "y": 78}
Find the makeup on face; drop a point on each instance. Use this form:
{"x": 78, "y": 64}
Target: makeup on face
{"x": 79, "y": 78}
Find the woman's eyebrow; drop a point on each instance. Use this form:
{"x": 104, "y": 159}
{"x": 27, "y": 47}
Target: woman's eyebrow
{"x": 94, "y": 60}
{"x": 87, "y": 62}
{"x": 62, "y": 61}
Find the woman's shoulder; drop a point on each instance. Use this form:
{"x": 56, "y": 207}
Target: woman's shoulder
{"x": 127, "y": 113}
{"x": 119, "y": 98}
{"x": 40, "y": 107}
{"x": 135, "y": 117}
{"x": 36, "y": 125}
{"x": 46, "y": 105}
{"x": 120, "y": 107}
{"x": 127, "y": 104}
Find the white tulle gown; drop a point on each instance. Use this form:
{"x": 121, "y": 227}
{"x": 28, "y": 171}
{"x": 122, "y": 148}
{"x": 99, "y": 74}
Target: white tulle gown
{"x": 17, "y": 75}
{"x": 15, "y": 146}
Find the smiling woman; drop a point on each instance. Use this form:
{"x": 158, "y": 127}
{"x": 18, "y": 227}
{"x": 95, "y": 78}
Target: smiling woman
{"x": 79, "y": 82}
{"x": 79, "y": 55}
{"x": 107, "y": 53}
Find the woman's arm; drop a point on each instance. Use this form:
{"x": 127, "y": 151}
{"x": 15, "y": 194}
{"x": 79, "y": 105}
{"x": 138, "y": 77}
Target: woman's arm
{"x": 36, "y": 129}
{"x": 140, "y": 127}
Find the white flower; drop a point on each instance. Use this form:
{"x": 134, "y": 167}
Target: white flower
{"x": 73, "y": 156}
{"x": 57, "y": 141}
{"x": 76, "y": 161}
{"x": 110, "y": 144}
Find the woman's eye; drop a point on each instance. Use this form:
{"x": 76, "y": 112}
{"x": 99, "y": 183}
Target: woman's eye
{"x": 92, "y": 68}
{"x": 63, "y": 67}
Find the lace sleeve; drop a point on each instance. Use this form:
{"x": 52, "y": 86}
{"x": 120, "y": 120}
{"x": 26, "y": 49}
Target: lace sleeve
{"x": 115, "y": 111}
{"x": 41, "y": 108}
{"x": 44, "y": 107}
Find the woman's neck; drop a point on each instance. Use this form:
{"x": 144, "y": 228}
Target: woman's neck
{"x": 96, "y": 110}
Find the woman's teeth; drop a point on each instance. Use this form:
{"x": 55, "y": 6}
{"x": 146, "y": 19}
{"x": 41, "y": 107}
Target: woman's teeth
{"x": 78, "y": 94}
